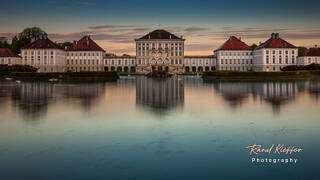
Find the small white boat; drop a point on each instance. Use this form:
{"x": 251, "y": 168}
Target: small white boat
{"x": 53, "y": 80}
{"x": 8, "y": 79}
{"x": 18, "y": 81}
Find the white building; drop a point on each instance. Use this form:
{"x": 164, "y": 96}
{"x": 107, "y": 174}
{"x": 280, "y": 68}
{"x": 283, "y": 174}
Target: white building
{"x": 85, "y": 55}
{"x": 9, "y": 57}
{"x": 310, "y": 56}
{"x": 234, "y": 55}
{"x": 274, "y": 54}
{"x": 160, "y": 50}
{"x": 44, "y": 55}
{"x": 120, "y": 63}
{"x": 199, "y": 63}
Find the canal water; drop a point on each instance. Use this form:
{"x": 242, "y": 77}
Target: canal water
{"x": 156, "y": 129}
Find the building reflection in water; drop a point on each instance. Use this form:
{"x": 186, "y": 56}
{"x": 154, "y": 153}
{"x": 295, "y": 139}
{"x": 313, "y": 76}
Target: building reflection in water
{"x": 160, "y": 93}
{"x": 234, "y": 93}
{"x": 33, "y": 98}
{"x": 314, "y": 88}
{"x": 276, "y": 93}
{"x": 84, "y": 94}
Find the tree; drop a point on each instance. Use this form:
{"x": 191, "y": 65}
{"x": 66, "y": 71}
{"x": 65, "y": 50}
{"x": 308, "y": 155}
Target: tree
{"x": 65, "y": 45}
{"x": 301, "y": 50}
{"x": 33, "y": 33}
{"x": 25, "y": 37}
{"x": 253, "y": 46}
{"x": 4, "y": 44}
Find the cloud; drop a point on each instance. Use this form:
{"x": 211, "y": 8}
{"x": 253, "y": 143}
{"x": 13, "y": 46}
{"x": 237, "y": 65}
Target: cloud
{"x": 195, "y": 29}
{"x": 120, "y": 38}
{"x": 109, "y": 26}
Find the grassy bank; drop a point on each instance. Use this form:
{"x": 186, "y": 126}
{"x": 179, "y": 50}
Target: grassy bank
{"x": 256, "y": 75}
{"x": 76, "y": 76}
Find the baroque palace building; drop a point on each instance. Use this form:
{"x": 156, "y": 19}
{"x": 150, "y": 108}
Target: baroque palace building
{"x": 85, "y": 55}
{"x": 160, "y": 50}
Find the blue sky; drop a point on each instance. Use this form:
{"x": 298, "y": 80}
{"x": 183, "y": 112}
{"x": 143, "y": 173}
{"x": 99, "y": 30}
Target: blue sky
{"x": 205, "y": 23}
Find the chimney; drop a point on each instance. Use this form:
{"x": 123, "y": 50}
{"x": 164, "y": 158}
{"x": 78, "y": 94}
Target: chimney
{"x": 240, "y": 38}
{"x": 273, "y": 35}
{"x": 316, "y": 46}
{"x": 277, "y": 35}
{"x": 170, "y": 36}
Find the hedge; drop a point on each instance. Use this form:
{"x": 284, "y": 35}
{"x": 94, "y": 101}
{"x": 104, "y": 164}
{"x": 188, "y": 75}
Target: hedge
{"x": 108, "y": 74}
{"x": 4, "y": 68}
{"x": 245, "y": 74}
{"x": 312, "y": 66}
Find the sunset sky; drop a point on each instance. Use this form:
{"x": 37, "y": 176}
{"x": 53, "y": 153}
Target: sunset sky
{"x": 206, "y": 24}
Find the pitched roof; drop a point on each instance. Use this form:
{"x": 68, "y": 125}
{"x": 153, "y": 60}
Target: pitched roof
{"x": 234, "y": 43}
{"x": 312, "y": 52}
{"x": 6, "y": 52}
{"x": 85, "y": 44}
{"x": 275, "y": 42}
{"x": 160, "y": 34}
{"x": 42, "y": 44}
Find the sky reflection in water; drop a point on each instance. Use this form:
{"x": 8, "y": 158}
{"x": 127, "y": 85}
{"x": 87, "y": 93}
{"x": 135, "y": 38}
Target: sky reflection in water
{"x": 180, "y": 128}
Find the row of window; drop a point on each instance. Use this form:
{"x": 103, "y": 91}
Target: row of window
{"x": 33, "y": 62}
{"x": 236, "y": 61}
{"x": 32, "y": 57}
{"x": 236, "y": 53}
{"x": 314, "y": 60}
{"x": 280, "y": 61}
{"x": 163, "y": 45}
{"x": 124, "y": 62}
{"x": 3, "y": 61}
{"x": 38, "y": 52}
{"x": 148, "y": 54}
{"x": 85, "y": 68}
{"x": 159, "y": 48}
{"x": 83, "y": 61}
{"x": 280, "y": 51}
{"x": 242, "y": 68}
{"x": 82, "y": 54}
{"x": 197, "y": 62}
{"x": 173, "y": 61}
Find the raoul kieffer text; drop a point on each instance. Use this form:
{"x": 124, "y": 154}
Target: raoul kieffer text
{"x": 273, "y": 149}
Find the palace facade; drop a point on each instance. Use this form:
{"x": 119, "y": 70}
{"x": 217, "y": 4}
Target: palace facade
{"x": 44, "y": 55}
{"x": 160, "y": 50}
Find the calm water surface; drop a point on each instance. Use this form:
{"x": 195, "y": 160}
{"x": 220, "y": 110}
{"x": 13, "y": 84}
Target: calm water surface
{"x": 178, "y": 128}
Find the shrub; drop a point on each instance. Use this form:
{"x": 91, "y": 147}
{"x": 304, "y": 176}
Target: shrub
{"x": 312, "y": 66}
{"x": 4, "y": 68}
{"x": 245, "y": 74}
{"x": 108, "y": 74}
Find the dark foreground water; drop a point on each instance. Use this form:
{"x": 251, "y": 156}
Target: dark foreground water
{"x": 146, "y": 129}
